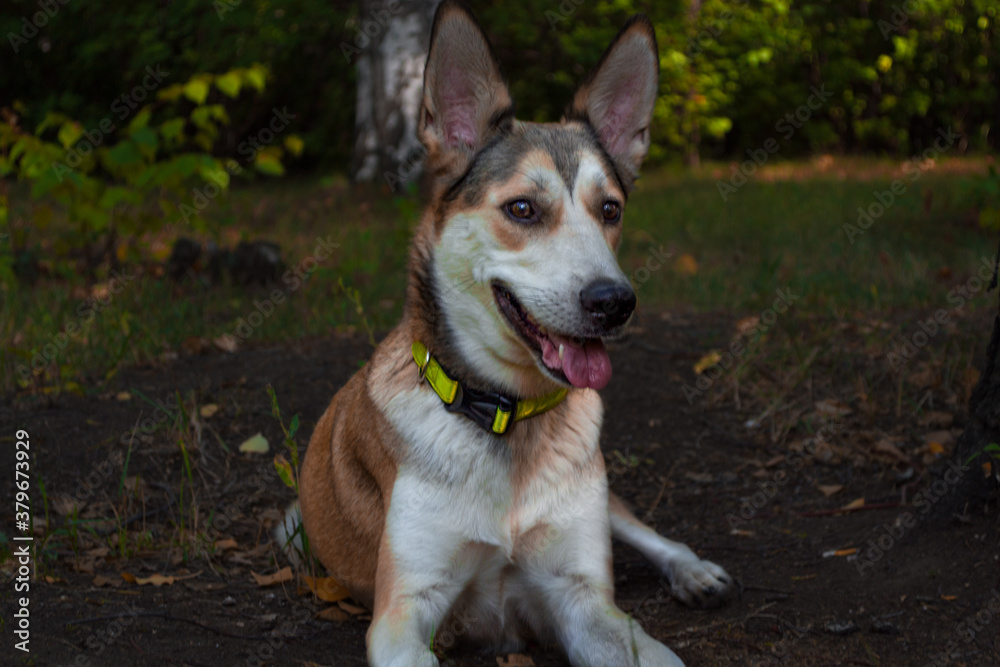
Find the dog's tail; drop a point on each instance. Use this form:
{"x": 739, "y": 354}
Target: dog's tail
{"x": 288, "y": 535}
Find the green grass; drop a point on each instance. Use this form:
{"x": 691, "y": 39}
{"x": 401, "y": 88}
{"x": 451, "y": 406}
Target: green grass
{"x": 782, "y": 230}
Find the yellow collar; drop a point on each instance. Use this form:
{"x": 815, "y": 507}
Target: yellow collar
{"x": 492, "y": 411}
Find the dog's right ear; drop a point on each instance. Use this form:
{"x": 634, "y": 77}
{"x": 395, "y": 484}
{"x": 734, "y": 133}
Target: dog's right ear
{"x": 465, "y": 99}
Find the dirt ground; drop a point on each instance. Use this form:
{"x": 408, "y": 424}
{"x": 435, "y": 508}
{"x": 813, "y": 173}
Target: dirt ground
{"x": 685, "y": 467}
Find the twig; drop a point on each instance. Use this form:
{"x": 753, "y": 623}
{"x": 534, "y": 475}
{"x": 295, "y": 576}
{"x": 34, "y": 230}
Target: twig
{"x": 846, "y": 510}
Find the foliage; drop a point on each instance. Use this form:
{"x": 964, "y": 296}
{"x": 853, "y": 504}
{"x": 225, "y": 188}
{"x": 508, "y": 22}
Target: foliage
{"x": 112, "y": 182}
{"x": 897, "y": 71}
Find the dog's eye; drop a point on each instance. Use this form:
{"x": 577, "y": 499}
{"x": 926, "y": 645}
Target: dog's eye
{"x": 522, "y": 210}
{"x": 611, "y": 211}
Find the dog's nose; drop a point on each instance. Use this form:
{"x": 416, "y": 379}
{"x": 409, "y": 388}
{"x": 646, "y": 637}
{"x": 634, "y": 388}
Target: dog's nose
{"x": 607, "y": 302}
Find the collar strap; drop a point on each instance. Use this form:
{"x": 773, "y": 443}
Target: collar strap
{"x": 492, "y": 411}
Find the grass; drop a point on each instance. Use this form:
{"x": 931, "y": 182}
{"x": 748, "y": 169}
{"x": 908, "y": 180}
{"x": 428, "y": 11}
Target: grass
{"x": 784, "y": 229}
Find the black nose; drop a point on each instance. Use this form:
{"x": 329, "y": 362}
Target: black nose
{"x": 608, "y": 303}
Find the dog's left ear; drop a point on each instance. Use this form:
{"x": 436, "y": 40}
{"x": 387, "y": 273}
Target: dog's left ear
{"x": 617, "y": 97}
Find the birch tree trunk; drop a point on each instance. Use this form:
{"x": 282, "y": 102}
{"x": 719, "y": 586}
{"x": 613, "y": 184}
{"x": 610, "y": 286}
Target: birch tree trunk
{"x": 389, "y": 46}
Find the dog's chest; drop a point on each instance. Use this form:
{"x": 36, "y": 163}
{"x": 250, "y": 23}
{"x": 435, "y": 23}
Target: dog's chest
{"x": 457, "y": 482}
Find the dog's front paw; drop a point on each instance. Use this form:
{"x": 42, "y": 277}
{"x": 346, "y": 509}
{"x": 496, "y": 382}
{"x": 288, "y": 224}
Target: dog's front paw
{"x": 416, "y": 656}
{"x": 700, "y": 583}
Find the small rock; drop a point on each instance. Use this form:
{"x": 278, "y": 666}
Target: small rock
{"x": 841, "y": 628}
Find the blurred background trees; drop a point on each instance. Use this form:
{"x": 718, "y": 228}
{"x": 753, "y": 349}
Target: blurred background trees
{"x": 897, "y": 70}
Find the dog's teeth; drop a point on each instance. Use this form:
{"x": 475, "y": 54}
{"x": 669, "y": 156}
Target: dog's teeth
{"x": 562, "y": 349}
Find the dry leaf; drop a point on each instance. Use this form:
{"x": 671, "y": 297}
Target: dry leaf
{"x": 944, "y": 438}
{"x": 830, "y": 489}
{"x": 925, "y": 378}
{"x": 227, "y": 343}
{"x": 223, "y": 545}
{"x": 255, "y": 444}
{"x": 888, "y": 448}
{"x": 935, "y": 448}
{"x": 195, "y": 344}
{"x": 208, "y": 410}
{"x": 123, "y": 396}
{"x": 333, "y": 614}
{"x": 686, "y": 264}
{"x": 937, "y": 419}
{"x": 747, "y": 325}
{"x": 949, "y": 598}
{"x": 700, "y": 477}
{"x": 156, "y": 580}
{"x": 279, "y": 577}
{"x": 351, "y": 608}
{"x": 845, "y": 552}
{"x": 707, "y": 361}
{"x": 854, "y": 504}
{"x": 130, "y": 578}
{"x": 100, "y": 581}
{"x": 326, "y": 588}
{"x": 833, "y": 407}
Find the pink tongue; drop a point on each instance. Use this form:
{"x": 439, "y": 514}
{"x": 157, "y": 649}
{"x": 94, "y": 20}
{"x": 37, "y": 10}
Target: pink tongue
{"x": 584, "y": 366}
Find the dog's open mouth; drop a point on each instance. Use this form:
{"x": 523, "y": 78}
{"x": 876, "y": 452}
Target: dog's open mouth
{"x": 581, "y": 362}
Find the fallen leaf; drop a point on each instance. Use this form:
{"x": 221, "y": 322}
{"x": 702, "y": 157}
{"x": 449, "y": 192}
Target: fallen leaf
{"x": 155, "y": 580}
{"x": 255, "y": 444}
{"x": 833, "y": 407}
{"x": 945, "y": 438}
{"x": 925, "y": 378}
{"x": 888, "y": 448}
{"x": 830, "y": 489}
{"x": 935, "y": 448}
{"x": 326, "y": 588}
{"x": 227, "y": 343}
{"x": 854, "y": 504}
{"x": 208, "y": 410}
{"x": 687, "y": 265}
{"x": 707, "y": 361}
{"x": 845, "y": 552}
{"x": 101, "y": 581}
{"x": 516, "y": 660}
{"x": 949, "y": 598}
{"x": 747, "y": 325}
{"x": 130, "y": 578}
{"x": 937, "y": 419}
{"x": 334, "y": 614}
{"x": 123, "y": 396}
{"x": 279, "y": 577}
{"x": 223, "y": 545}
{"x": 195, "y": 344}
{"x": 700, "y": 477}
{"x": 351, "y": 608}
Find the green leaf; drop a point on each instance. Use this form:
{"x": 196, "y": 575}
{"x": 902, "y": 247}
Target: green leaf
{"x": 255, "y": 444}
{"x": 285, "y": 472}
{"x": 173, "y": 128}
{"x": 141, "y": 119}
{"x": 69, "y": 133}
{"x": 293, "y": 427}
{"x": 268, "y": 162}
{"x": 294, "y": 145}
{"x": 196, "y": 90}
{"x": 146, "y": 137}
{"x": 256, "y": 76}
{"x": 230, "y": 84}
{"x": 123, "y": 154}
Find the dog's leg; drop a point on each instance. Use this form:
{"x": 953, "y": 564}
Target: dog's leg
{"x": 693, "y": 581}
{"x": 425, "y": 561}
{"x": 573, "y": 578}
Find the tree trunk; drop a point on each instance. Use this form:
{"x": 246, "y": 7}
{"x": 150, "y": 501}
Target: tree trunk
{"x": 389, "y": 48}
{"x": 975, "y": 486}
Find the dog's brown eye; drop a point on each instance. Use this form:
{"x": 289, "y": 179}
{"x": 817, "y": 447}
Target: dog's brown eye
{"x": 522, "y": 210}
{"x": 611, "y": 211}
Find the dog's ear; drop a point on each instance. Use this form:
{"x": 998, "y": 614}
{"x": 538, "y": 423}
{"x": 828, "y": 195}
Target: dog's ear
{"x": 617, "y": 97}
{"x": 465, "y": 100}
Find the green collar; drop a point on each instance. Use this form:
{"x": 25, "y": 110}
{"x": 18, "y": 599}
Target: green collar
{"x": 492, "y": 411}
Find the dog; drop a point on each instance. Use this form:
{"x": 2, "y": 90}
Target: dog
{"x": 457, "y": 478}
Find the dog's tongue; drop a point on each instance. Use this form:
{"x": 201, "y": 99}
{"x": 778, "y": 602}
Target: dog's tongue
{"x": 585, "y": 364}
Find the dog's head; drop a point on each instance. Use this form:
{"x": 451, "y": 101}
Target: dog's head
{"x": 526, "y": 218}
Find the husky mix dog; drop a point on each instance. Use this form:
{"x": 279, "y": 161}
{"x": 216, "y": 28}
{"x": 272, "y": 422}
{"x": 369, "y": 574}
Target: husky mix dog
{"x": 458, "y": 476}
